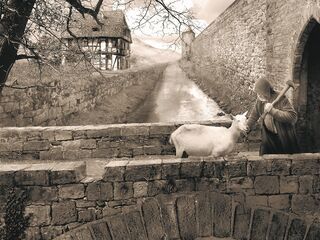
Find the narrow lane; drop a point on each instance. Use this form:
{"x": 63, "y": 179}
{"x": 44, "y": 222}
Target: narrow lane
{"x": 176, "y": 98}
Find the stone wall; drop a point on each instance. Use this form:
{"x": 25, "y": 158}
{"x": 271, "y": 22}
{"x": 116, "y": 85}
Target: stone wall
{"x": 80, "y": 142}
{"x": 229, "y": 55}
{"x": 249, "y": 40}
{"x": 277, "y": 194}
{"x": 54, "y": 104}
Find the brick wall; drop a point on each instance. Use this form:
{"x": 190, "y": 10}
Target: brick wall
{"x": 53, "y": 105}
{"x": 247, "y": 189}
{"x": 79, "y": 142}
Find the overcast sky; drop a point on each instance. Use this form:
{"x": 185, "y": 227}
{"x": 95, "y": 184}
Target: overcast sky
{"x": 205, "y": 12}
{"x": 208, "y": 10}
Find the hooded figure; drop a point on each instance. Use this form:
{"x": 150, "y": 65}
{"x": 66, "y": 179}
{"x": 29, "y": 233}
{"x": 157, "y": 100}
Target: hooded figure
{"x": 278, "y": 131}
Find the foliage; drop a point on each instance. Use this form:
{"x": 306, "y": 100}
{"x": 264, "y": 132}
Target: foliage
{"x": 15, "y": 221}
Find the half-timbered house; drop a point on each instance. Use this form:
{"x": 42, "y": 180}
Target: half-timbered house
{"x": 106, "y": 45}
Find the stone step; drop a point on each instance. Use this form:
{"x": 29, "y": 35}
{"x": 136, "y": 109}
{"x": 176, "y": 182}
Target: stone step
{"x": 42, "y": 173}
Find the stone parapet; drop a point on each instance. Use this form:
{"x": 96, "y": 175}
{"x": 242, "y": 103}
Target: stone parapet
{"x": 101, "y": 141}
{"x": 63, "y": 196}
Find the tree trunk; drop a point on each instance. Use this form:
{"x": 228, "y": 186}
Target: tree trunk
{"x": 12, "y": 27}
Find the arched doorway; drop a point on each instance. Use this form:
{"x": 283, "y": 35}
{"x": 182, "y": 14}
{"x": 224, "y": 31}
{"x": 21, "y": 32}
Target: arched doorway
{"x": 307, "y": 96}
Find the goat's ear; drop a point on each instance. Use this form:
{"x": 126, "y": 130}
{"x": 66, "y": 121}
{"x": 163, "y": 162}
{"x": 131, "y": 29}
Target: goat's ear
{"x": 245, "y": 114}
{"x": 232, "y": 117}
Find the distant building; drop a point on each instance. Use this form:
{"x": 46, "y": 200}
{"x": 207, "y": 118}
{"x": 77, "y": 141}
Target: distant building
{"x": 107, "y": 46}
{"x": 187, "y": 39}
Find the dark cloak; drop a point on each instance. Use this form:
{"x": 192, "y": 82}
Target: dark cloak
{"x": 284, "y": 116}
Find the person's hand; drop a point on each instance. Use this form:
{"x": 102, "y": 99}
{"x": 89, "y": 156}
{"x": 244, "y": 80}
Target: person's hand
{"x": 267, "y": 107}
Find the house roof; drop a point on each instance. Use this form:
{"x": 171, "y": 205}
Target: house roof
{"x": 114, "y": 24}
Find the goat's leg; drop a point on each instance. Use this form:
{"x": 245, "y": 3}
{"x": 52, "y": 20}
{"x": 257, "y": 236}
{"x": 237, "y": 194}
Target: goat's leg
{"x": 179, "y": 152}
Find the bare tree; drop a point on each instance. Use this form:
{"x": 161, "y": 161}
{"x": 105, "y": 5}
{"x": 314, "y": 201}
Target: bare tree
{"x": 24, "y": 22}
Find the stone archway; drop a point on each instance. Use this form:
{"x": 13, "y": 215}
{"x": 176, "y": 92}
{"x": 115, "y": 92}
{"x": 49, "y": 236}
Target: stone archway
{"x": 307, "y": 96}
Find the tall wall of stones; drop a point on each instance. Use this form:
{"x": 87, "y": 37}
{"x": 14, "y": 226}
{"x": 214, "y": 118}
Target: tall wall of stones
{"x": 286, "y": 23}
{"x": 264, "y": 198}
{"x": 230, "y": 54}
{"x": 53, "y": 105}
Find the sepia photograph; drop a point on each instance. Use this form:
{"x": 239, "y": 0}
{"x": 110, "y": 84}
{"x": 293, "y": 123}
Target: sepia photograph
{"x": 159, "y": 119}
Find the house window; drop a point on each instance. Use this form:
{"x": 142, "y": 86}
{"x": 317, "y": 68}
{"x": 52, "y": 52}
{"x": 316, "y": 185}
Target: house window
{"x": 95, "y": 29}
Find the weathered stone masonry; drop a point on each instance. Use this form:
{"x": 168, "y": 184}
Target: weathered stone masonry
{"x": 252, "y": 39}
{"x": 53, "y": 105}
{"x": 80, "y": 142}
{"x": 275, "y": 196}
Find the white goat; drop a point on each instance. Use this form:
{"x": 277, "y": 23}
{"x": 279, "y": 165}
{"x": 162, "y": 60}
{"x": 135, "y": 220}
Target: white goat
{"x": 201, "y": 140}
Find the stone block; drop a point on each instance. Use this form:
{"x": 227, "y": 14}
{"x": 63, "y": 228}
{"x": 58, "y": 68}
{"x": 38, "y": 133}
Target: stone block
{"x": 256, "y": 201}
{"x": 260, "y": 223}
{"x": 305, "y": 204}
{"x": 114, "y": 171}
{"x": 43, "y": 194}
{"x": 242, "y": 217}
{"x": 207, "y": 184}
{"x": 281, "y": 202}
{"x": 135, "y": 225}
{"x": 152, "y": 150}
{"x": 160, "y": 186}
{"x": 123, "y": 190}
{"x": 48, "y": 233}
{"x": 68, "y": 172}
{"x": 87, "y": 215}
{"x": 104, "y": 133}
{"x": 118, "y": 227}
{"x": 143, "y": 170}
{"x": 222, "y": 213}
{"x": 140, "y": 189}
{"x": 204, "y": 214}
{"x": 297, "y": 229}
{"x": 82, "y": 234}
{"x": 71, "y": 191}
{"x": 99, "y": 191}
{"x": 88, "y": 144}
{"x": 305, "y": 184}
{"x": 100, "y": 231}
{"x": 32, "y": 177}
{"x": 36, "y": 146}
{"x": 279, "y": 167}
{"x": 185, "y": 185}
{"x": 34, "y": 233}
{"x": 62, "y": 135}
{"x": 236, "y": 169}
{"x": 171, "y": 170}
{"x": 305, "y": 167}
{"x": 267, "y": 185}
{"x": 162, "y": 130}
{"x": 152, "y": 218}
{"x": 63, "y": 213}
{"x": 135, "y": 131}
{"x": 105, "y": 153}
{"x": 54, "y": 153}
{"x": 85, "y": 203}
{"x": 6, "y": 178}
{"x": 289, "y": 184}
{"x": 39, "y": 215}
{"x": 190, "y": 169}
{"x": 278, "y": 226}
{"x": 186, "y": 215}
{"x": 170, "y": 222}
{"x": 239, "y": 184}
{"x": 257, "y": 168}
